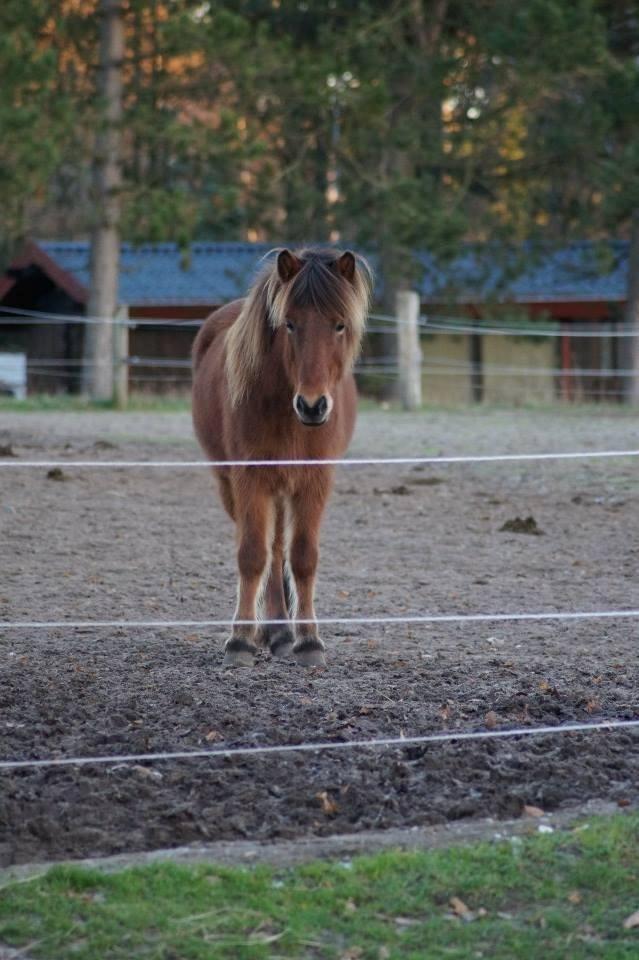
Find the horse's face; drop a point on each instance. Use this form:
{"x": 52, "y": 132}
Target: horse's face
{"x": 317, "y": 353}
{"x": 321, "y": 314}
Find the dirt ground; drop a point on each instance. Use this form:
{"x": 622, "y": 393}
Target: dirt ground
{"x": 143, "y": 544}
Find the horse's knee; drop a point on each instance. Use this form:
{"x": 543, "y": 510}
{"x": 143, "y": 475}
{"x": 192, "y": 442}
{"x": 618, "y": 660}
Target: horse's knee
{"x": 251, "y": 558}
{"x": 304, "y": 557}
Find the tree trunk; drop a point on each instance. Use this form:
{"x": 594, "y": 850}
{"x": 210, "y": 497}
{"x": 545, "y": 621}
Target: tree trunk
{"x": 632, "y": 315}
{"x": 105, "y": 239}
{"x": 400, "y": 163}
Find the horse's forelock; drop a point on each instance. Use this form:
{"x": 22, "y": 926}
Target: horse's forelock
{"x": 319, "y": 286}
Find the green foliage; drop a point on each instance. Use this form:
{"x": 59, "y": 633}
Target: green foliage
{"x": 395, "y": 125}
{"x": 558, "y": 896}
{"x": 34, "y": 117}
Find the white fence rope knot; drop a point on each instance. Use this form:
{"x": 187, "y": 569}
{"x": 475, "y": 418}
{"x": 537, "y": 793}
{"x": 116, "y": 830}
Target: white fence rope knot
{"x": 321, "y": 746}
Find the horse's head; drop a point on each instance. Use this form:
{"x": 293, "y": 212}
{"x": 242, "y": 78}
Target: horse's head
{"x": 318, "y": 309}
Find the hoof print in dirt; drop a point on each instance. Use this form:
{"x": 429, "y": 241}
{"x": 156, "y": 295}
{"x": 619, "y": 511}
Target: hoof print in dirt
{"x": 57, "y": 474}
{"x": 519, "y": 525}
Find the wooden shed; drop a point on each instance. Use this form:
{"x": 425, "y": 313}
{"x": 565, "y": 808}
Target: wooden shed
{"x": 46, "y": 288}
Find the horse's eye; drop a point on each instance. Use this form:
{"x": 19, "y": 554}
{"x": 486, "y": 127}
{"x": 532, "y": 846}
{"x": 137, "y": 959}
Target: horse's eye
{"x": 340, "y": 327}
{"x": 290, "y": 326}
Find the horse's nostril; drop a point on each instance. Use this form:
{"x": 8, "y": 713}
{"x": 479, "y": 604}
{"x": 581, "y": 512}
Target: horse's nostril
{"x": 311, "y": 413}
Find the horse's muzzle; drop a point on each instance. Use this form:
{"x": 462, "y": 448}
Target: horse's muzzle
{"x": 312, "y": 415}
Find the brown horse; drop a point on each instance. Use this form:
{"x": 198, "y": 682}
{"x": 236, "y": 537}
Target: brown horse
{"x": 273, "y": 381}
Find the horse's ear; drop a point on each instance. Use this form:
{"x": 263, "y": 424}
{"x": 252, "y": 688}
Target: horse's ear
{"x": 346, "y": 265}
{"x": 287, "y": 265}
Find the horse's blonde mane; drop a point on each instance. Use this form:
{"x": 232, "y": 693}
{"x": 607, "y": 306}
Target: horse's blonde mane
{"x": 318, "y": 284}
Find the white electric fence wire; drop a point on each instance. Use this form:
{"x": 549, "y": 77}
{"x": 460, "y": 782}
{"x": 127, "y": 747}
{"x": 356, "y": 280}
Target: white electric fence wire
{"x": 373, "y": 363}
{"x": 348, "y": 621}
{"x": 37, "y": 318}
{"x": 320, "y": 746}
{"x": 452, "y": 328}
{"x": 439, "y": 324}
{"x": 351, "y": 462}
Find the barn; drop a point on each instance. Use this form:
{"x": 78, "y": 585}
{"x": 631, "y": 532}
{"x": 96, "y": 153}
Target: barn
{"x": 158, "y": 282}
{"x": 578, "y": 288}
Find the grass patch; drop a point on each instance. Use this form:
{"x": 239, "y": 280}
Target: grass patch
{"x": 558, "y": 896}
{"x": 180, "y": 403}
{"x": 73, "y": 403}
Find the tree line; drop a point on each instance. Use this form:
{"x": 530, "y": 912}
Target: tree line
{"x": 394, "y": 125}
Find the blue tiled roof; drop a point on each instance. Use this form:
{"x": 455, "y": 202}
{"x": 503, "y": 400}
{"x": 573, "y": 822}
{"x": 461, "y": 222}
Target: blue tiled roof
{"x": 578, "y": 273}
{"x": 159, "y": 273}
{"x": 213, "y": 273}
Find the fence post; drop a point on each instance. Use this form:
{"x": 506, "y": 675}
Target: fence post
{"x": 409, "y": 354}
{"x": 121, "y": 357}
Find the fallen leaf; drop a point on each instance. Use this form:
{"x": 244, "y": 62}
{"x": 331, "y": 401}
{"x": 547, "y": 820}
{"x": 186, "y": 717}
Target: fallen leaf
{"x": 632, "y": 921}
{"x": 459, "y": 908}
{"x": 329, "y": 807}
{"x": 529, "y": 810}
{"x": 353, "y": 953}
{"x": 574, "y": 897}
{"x": 490, "y": 720}
{"x": 213, "y": 735}
{"x": 445, "y": 711}
{"x": 147, "y": 772}
{"x": 623, "y": 802}
{"x": 593, "y": 706}
{"x": 343, "y": 593}
{"x": 521, "y": 525}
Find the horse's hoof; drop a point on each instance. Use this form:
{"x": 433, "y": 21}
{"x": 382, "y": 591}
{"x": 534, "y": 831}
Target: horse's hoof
{"x": 281, "y": 643}
{"x": 239, "y": 653}
{"x": 309, "y": 652}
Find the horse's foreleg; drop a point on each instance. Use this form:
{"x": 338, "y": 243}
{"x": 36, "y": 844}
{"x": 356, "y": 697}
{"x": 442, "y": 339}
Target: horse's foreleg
{"x": 307, "y": 509}
{"x": 278, "y": 637}
{"x": 254, "y": 526}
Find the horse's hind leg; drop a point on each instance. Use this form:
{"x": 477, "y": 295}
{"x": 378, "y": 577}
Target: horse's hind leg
{"x": 226, "y": 493}
{"x": 254, "y": 526}
{"x": 278, "y": 637}
{"x": 307, "y": 508}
